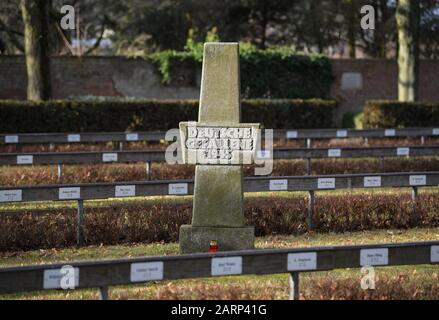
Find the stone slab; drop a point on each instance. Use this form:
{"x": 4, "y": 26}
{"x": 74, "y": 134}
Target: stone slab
{"x": 220, "y": 97}
{"x": 351, "y": 81}
{"x": 218, "y": 197}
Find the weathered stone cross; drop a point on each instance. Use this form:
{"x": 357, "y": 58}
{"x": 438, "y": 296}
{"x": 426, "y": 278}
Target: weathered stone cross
{"x": 218, "y": 144}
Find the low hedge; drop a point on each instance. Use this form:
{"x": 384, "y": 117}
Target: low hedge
{"x": 396, "y": 114}
{"x": 150, "y": 115}
{"x": 15, "y": 176}
{"x": 54, "y": 228}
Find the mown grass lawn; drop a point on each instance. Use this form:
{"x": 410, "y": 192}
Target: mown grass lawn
{"x": 403, "y": 282}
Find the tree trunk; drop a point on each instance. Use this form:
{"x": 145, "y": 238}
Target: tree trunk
{"x": 315, "y": 9}
{"x": 264, "y": 28}
{"x": 351, "y": 24}
{"x": 407, "y": 18}
{"x": 37, "y": 48}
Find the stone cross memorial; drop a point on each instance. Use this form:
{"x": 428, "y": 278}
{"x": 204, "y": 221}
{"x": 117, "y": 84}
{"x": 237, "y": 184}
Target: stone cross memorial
{"x": 219, "y": 145}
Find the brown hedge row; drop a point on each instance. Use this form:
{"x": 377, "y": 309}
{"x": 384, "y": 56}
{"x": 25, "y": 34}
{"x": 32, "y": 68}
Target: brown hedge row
{"x": 150, "y": 115}
{"x": 91, "y": 173}
{"x": 394, "y": 114}
{"x": 270, "y": 216}
{"x": 406, "y": 285}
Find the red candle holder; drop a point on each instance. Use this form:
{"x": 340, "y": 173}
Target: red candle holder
{"x": 213, "y": 246}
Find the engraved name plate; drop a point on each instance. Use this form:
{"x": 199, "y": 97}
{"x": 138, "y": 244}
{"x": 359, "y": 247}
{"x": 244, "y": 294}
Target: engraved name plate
{"x": 209, "y": 144}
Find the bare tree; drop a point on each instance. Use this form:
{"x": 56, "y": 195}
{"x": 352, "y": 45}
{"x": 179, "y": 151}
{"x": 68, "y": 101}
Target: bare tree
{"x": 37, "y": 48}
{"x": 407, "y": 17}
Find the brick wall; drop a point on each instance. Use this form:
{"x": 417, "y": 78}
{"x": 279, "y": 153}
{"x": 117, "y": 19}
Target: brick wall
{"x": 99, "y": 76}
{"x": 355, "y": 80}
{"x": 378, "y": 81}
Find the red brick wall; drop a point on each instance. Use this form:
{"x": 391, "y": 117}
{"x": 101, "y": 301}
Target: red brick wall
{"x": 98, "y": 76}
{"x": 70, "y": 77}
{"x": 117, "y": 76}
{"x": 380, "y": 81}
{"x": 12, "y": 78}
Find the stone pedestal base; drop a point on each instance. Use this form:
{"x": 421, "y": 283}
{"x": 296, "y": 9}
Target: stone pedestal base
{"x": 197, "y": 239}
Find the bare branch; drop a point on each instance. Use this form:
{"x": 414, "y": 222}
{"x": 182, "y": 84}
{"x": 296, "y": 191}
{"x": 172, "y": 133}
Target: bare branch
{"x": 98, "y": 41}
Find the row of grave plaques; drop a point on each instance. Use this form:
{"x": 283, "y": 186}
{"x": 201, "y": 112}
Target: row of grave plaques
{"x": 223, "y": 266}
{"x": 261, "y": 154}
{"x": 291, "y": 134}
{"x": 344, "y": 133}
{"x": 334, "y": 153}
{"x": 74, "y": 193}
{"x": 11, "y": 139}
{"x": 29, "y": 159}
{"x": 329, "y": 183}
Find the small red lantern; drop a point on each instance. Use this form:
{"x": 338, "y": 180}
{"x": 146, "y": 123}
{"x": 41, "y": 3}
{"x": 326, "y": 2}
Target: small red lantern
{"x": 213, "y": 246}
